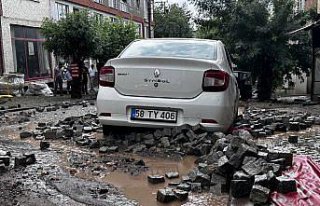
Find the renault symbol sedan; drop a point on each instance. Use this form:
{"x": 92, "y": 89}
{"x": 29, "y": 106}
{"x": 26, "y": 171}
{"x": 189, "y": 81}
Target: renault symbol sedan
{"x": 161, "y": 83}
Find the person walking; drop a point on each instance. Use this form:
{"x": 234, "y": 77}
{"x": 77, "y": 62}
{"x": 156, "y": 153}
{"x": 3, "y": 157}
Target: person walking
{"x": 85, "y": 74}
{"x": 58, "y": 81}
{"x": 92, "y": 75}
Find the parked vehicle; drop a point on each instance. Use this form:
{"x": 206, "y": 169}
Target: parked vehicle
{"x": 169, "y": 82}
{"x": 245, "y": 84}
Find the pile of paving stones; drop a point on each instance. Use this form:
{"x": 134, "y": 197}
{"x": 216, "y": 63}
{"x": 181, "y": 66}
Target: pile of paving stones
{"x": 184, "y": 140}
{"x": 236, "y": 164}
{"x": 265, "y": 122}
{"x": 21, "y": 160}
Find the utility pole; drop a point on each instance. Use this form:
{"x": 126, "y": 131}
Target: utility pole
{"x": 150, "y": 13}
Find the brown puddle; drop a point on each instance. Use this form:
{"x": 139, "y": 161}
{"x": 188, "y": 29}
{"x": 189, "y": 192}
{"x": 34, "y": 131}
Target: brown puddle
{"x": 138, "y": 188}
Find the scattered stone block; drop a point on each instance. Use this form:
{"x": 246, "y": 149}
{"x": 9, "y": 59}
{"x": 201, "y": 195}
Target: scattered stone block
{"x": 293, "y": 139}
{"x": 240, "y": 175}
{"x": 286, "y": 185}
{"x": 166, "y": 195}
{"x": 165, "y": 142}
{"x": 181, "y": 195}
{"x": 106, "y": 149}
{"x": 294, "y": 126}
{"x": 158, "y": 134}
{"x": 172, "y": 175}
{"x": 50, "y": 133}
{"x": 173, "y": 184}
{"x": 254, "y": 168}
{"x": 240, "y": 188}
{"x": 185, "y": 178}
{"x": 202, "y": 178}
{"x": 5, "y": 160}
{"x": 259, "y": 194}
{"x": 30, "y": 158}
{"x": 224, "y": 166}
{"x": 68, "y": 132}
{"x": 191, "y": 135}
{"x": 87, "y": 129}
{"x": 44, "y": 145}
{"x": 5, "y": 153}
{"x": 262, "y": 180}
{"x": 214, "y": 157}
{"x": 149, "y": 142}
{"x": 25, "y": 134}
{"x": 184, "y": 187}
{"x": 156, "y": 179}
{"x": 196, "y": 187}
{"x": 218, "y": 184}
{"x": 248, "y": 159}
{"x": 20, "y": 161}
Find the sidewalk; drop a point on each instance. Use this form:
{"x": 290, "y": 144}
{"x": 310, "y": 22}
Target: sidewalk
{"x": 37, "y": 101}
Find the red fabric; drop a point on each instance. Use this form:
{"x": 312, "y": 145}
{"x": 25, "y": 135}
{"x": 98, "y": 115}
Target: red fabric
{"x": 307, "y": 174}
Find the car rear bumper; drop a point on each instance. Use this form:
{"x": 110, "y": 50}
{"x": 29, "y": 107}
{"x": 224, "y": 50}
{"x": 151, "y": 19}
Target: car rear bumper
{"x": 210, "y": 106}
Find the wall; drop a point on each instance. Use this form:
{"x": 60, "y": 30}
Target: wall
{"x": 310, "y": 4}
{"x": 20, "y": 12}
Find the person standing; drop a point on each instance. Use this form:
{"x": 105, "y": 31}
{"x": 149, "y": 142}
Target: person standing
{"x": 58, "y": 81}
{"x": 76, "y": 74}
{"x": 92, "y": 75}
{"x": 67, "y": 77}
{"x": 85, "y": 74}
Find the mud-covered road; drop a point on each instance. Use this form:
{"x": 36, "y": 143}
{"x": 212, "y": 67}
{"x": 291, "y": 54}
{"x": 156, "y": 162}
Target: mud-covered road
{"x": 69, "y": 174}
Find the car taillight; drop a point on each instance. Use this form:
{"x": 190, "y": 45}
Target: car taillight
{"x": 215, "y": 81}
{"x": 107, "y": 76}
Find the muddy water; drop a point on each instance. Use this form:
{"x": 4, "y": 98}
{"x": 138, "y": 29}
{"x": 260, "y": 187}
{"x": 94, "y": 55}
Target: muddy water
{"x": 138, "y": 188}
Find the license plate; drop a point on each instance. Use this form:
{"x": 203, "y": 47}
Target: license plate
{"x": 154, "y": 115}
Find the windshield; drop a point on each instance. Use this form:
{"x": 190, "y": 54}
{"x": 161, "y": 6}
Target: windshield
{"x": 172, "y": 48}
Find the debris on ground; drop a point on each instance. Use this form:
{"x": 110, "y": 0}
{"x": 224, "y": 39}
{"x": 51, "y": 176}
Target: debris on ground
{"x": 38, "y": 88}
{"x": 237, "y": 163}
{"x": 12, "y": 84}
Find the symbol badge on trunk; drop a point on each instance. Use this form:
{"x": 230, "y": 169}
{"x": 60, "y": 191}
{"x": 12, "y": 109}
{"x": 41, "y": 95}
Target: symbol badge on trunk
{"x": 157, "y": 73}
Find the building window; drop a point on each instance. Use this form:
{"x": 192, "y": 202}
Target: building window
{"x": 98, "y": 1}
{"x": 61, "y": 10}
{"x": 98, "y": 17}
{"x": 30, "y": 56}
{"x": 111, "y": 3}
{"x": 124, "y": 6}
{"x": 75, "y": 9}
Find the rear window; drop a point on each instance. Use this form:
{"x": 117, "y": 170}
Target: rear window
{"x": 177, "y": 48}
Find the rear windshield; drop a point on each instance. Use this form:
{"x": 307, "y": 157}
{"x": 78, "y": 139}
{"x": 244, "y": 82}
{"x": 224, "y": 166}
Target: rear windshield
{"x": 172, "y": 48}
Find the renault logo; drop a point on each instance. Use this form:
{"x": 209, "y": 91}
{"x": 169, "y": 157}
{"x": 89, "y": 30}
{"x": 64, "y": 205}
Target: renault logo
{"x": 157, "y": 73}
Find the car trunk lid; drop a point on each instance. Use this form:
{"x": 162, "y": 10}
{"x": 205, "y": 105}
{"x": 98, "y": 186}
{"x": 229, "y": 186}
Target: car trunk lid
{"x": 160, "y": 77}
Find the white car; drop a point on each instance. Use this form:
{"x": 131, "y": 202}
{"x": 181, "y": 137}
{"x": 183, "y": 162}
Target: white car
{"x": 167, "y": 83}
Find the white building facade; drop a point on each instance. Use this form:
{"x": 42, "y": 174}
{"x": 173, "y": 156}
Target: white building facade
{"x": 23, "y": 46}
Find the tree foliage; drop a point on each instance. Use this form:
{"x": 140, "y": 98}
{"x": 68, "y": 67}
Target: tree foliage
{"x": 80, "y": 36}
{"x": 173, "y": 21}
{"x": 73, "y": 36}
{"x": 257, "y": 34}
{"x": 112, "y": 38}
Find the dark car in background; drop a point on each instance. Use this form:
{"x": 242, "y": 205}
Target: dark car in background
{"x": 244, "y": 80}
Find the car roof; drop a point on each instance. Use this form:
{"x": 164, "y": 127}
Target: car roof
{"x": 179, "y": 39}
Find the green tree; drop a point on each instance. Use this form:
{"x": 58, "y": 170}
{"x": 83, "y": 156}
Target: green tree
{"x": 173, "y": 21}
{"x": 112, "y": 38}
{"x": 256, "y": 33}
{"x": 71, "y": 37}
